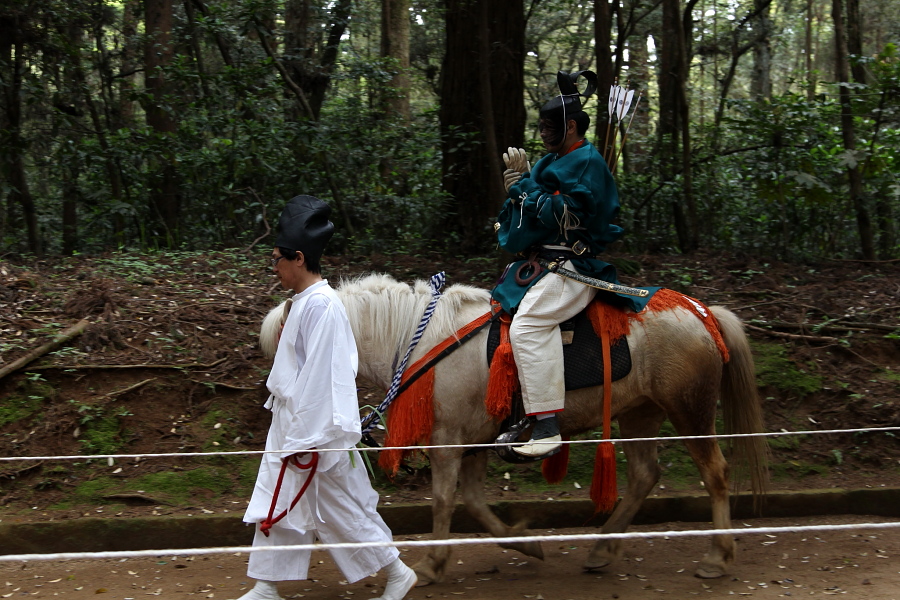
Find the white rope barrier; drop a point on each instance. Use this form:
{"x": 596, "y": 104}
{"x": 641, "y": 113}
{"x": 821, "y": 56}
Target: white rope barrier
{"x": 446, "y": 542}
{"x": 434, "y": 447}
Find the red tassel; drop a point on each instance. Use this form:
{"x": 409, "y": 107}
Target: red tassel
{"x": 554, "y": 468}
{"x": 410, "y": 421}
{"x": 604, "y": 489}
{"x": 503, "y": 379}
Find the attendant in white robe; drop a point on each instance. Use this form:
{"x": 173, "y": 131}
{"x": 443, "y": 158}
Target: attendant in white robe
{"x": 314, "y": 407}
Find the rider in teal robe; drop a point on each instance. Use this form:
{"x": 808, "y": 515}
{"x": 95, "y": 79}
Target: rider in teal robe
{"x": 574, "y": 188}
{"x": 561, "y": 212}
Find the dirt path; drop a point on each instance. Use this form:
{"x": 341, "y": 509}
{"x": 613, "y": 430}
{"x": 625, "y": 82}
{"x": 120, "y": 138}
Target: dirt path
{"x": 862, "y": 563}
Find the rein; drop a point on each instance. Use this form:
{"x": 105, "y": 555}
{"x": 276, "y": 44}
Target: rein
{"x": 266, "y": 525}
{"x": 437, "y": 282}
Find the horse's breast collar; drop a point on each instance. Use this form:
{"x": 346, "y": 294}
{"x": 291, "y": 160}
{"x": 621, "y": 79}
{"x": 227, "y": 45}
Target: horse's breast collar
{"x": 583, "y": 356}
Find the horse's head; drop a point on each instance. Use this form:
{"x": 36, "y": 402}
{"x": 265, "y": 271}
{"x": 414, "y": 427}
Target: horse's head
{"x": 271, "y": 328}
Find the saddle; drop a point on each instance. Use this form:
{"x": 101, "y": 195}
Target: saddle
{"x": 583, "y": 366}
{"x": 582, "y": 352}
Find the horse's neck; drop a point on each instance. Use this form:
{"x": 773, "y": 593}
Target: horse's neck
{"x": 384, "y": 325}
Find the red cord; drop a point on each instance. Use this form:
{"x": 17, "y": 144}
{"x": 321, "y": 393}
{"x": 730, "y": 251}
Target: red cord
{"x": 311, "y": 465}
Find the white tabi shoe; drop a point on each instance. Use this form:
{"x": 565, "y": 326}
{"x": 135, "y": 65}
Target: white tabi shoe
{"x": 263, "y": 590}
{"x": 535, "y": 448}
{"x": 545, "y": 439}
{"x": 401, "y": 579}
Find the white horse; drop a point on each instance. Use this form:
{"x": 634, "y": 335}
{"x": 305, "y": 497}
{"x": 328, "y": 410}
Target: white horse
{"x": 677, "y": 373}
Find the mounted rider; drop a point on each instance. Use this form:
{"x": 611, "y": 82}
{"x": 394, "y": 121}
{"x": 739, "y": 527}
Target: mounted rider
{"x": 560, "y": 213}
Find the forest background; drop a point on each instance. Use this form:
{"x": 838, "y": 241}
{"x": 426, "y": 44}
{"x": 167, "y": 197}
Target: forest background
{"x": 764, "y": 126}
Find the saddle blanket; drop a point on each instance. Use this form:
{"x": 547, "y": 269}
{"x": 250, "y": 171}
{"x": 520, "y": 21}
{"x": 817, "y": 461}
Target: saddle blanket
{"x": 583, "y": 355}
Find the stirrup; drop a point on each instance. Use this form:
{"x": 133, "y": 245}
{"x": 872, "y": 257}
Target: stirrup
{"x": 511, "y": 436}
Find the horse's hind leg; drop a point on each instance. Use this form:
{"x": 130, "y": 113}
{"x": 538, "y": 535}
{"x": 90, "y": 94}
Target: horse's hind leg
{"x": 714, "y": 472}
{"x": 445, "y": 464}
{"x": 472, "y": 476}
{"x": 643, "y": 473}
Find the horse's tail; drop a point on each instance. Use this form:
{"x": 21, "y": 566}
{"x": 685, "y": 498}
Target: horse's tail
{"x": 271, "y": 328}
{"x": 741, "y": 407}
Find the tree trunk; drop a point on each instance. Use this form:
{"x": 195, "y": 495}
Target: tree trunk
{"x": 12, "y": 145}
{"x": 128, "y": 65}
{"x": 309, "y": 69}
{"x": 855, "y": 42}
{"x": 68, "y": 156}
{"x": 808, "y": 48}
{"x": 863, "y": 221}
{"x": 605, "y": 73}
{"x": 395, "y": 45}
{"x": 194, "y": 36}
{"x": 482, "y": 110}
{"x": 634, "y": 157}
{"x": 761, "y": 81}
{"x": 673, "y": 128}
{"x": 158, "y": 53}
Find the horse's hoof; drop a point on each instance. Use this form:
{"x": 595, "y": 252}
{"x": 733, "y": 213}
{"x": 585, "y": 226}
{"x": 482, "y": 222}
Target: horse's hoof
{"x": 532, "y": 549}
{"x": 709, "y": 571}
{"x": 426, "y": 575}
{"x": 592, "y": 564}
{"x": 603, "y": 554}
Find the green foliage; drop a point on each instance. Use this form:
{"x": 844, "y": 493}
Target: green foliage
{"x": 179, "y": 488}
{"x": 18, "y": 408}
{"x": 770, "y": 179}
{"x": 101, "y": 430}
{"x": 27, "y": 400}
{"x": 775, "y": 368}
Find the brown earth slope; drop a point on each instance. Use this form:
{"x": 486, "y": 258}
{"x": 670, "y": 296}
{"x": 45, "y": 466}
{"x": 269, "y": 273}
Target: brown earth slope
{"x": 170, "y": 363}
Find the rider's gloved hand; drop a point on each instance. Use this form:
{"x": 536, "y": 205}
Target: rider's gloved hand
{"x": 510, "y": 178}
{"x": 517, "y": 160}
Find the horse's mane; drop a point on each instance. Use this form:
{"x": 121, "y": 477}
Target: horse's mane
{"x": 393, "y": 309}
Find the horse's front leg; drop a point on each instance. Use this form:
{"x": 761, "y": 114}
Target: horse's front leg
{"x": 643, "y": 473}
{"x": 445, "y": 463}
{"x": 472, "y": 481}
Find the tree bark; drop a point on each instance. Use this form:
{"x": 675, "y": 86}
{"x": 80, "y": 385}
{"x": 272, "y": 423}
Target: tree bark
{"x": 855, "y": 41}
{"x": 12, "y": 144}
{"x": 848, "y": 132}
{"x": 128, "y": 64}
{"x": 62, "y": 338}
{"x": 605, "y": 68}
{"x": 808, "y": 49}
{"x": 158, "y": 53}
{"x": 674, "y": 128}
{"x": 482, "y": 110}
{"x": 311, "y": 70}
{"x": 761, "y": 81}
{"x": 634, "y": 156}
{"x": 395, "y": 46}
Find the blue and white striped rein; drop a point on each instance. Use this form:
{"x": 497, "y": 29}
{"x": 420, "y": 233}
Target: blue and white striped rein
{"x": 437, "y": 282}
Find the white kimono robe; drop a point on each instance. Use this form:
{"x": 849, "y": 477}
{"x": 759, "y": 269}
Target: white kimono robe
{"x": 314, "y": 405}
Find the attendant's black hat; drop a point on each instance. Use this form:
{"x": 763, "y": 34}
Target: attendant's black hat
{"x": 304, "y": 226}
{"x": 568, "y": 103}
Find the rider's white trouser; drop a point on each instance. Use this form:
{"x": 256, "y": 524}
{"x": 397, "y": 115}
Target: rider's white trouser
{"x": 537, "y": 343}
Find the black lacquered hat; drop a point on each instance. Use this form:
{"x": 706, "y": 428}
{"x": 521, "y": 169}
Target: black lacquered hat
{"x": 304, "y": 226}
{"x": 568, "y": 103}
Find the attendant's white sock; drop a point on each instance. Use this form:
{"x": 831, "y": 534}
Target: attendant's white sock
{"x": 401, "y": 579}
{"x": 263, "y": 590}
